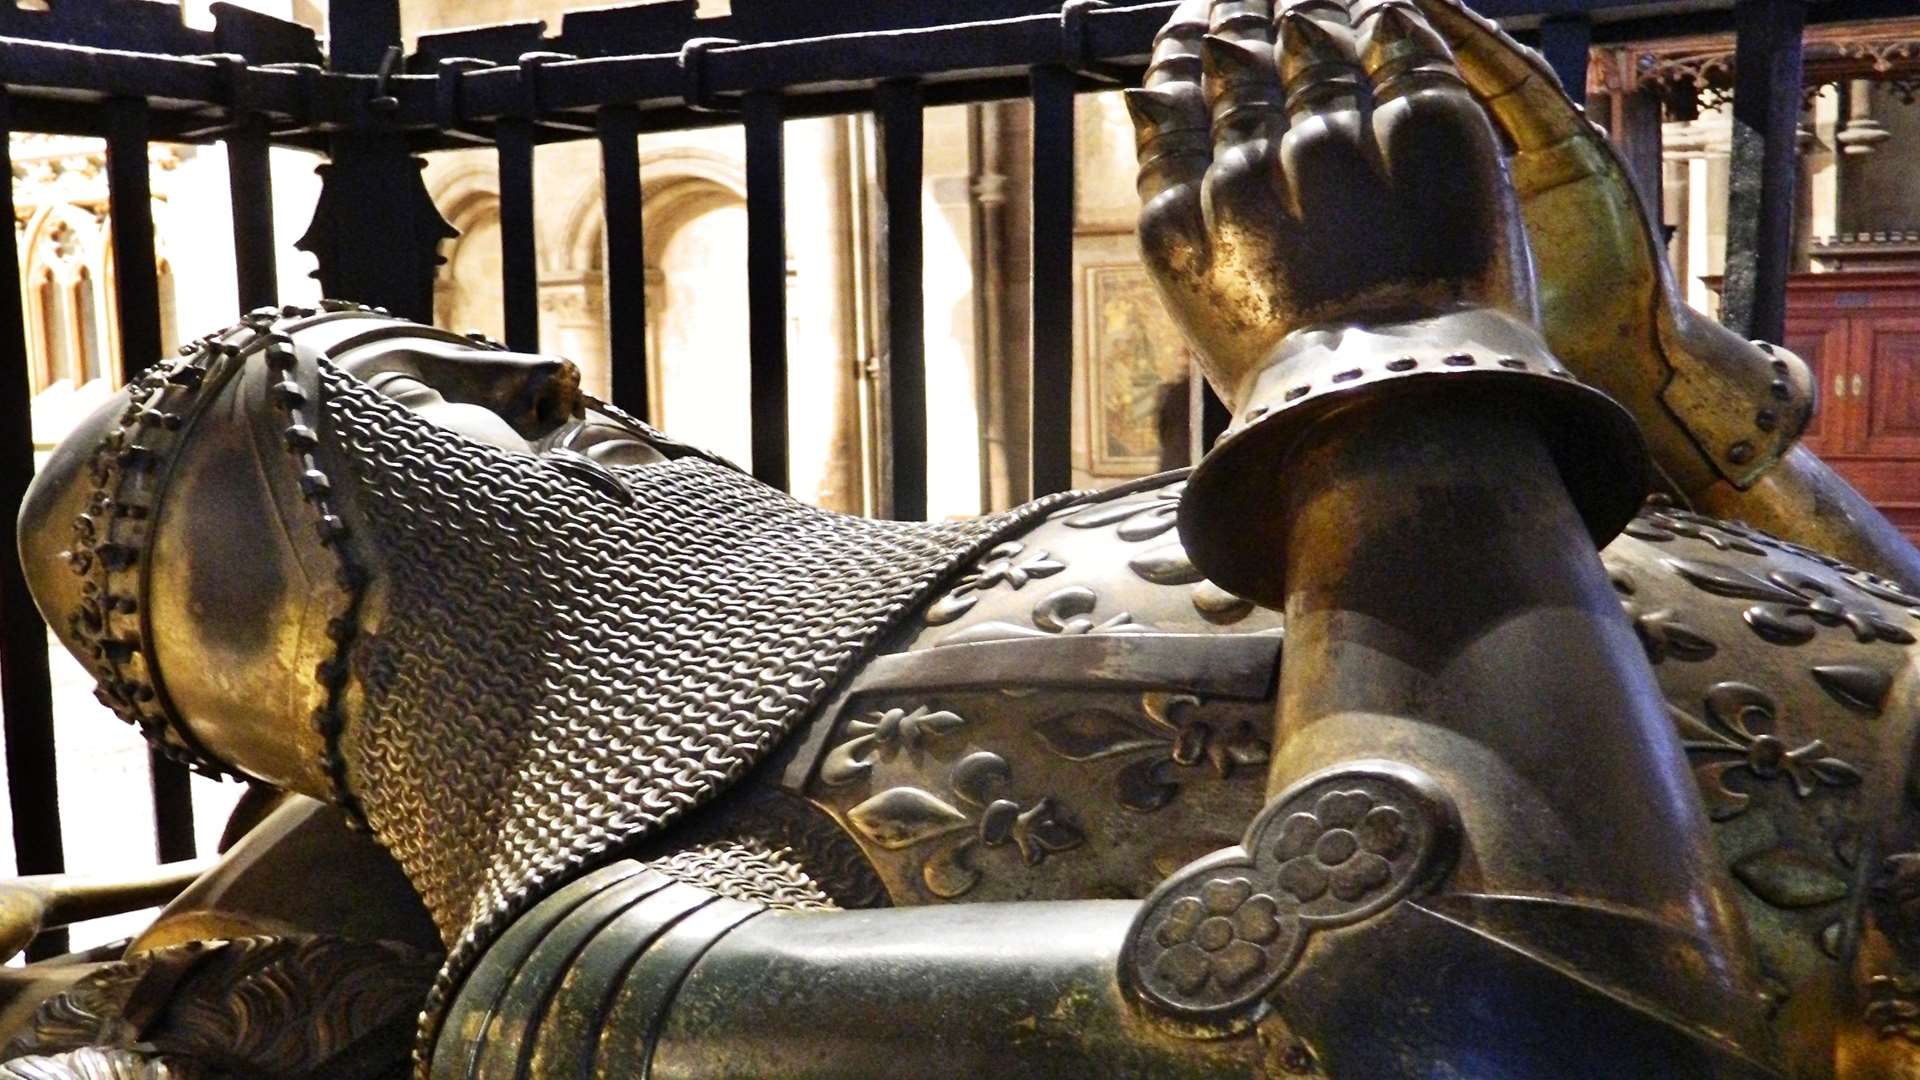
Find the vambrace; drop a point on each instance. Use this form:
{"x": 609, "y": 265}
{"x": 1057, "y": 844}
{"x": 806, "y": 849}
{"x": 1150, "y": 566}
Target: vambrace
{"x": 630, "y": 973}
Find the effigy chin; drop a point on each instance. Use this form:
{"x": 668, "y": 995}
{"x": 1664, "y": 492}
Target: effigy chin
{"x": 1505, "y": 696}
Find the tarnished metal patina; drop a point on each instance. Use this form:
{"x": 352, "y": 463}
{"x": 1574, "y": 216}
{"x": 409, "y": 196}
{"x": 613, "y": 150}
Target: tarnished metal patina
{"x": 1427, "y": 728}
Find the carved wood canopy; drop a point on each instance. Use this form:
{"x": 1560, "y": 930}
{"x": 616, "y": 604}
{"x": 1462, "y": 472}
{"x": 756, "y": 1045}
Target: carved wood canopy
{"x": 1686, "y": 72}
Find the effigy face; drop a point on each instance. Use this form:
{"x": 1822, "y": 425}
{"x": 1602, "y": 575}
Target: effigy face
{"x": 1404, "y": 736}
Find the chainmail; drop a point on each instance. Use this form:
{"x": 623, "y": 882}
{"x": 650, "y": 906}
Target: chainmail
{"x": 747, "y": 869}
{"x": 545, "y": 674}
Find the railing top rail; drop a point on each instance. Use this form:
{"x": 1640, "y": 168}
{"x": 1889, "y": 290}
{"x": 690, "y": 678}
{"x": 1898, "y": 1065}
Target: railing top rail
{"x": 196, "y": 97}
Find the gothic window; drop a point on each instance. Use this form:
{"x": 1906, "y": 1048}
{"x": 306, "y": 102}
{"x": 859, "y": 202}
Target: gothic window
{"x": 63, "y": 234}
{"x": 51, "y": 364}
{"x": 88, "y": 354}
{"x": 66, "y": 303}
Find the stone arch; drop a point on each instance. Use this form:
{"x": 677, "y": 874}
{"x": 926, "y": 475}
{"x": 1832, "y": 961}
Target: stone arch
{"x": 667, "y": 177}
{"x": 108, "y": 276}
{"x": 66, "y": 276}
{"x": 468, "y": 280}
{"x": 692, "y": 200}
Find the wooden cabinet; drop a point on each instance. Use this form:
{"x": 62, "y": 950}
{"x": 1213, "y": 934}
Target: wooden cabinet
{"x": 1860, "y": 331}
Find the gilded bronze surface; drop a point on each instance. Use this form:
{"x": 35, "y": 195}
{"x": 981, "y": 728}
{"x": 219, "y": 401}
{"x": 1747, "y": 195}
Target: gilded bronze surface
{"x": 1429, "y": 727}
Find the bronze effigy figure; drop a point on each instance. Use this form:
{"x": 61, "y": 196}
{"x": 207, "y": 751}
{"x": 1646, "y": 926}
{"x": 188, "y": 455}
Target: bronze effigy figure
{"x": 1440, "y": 723}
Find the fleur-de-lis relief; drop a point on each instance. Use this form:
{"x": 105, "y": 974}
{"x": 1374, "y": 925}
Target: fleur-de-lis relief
{"x": 1168, "y": 737}
{"x": 1791, "y": 606}
{"x": 1896, "y": 895}
{"x": 882, "y": 738}
{"x": 1009, "y": 564}
{"x": 1740, "y": 734}
{"x": 984, "y": 779}
{"x": 1139, "y": 517}
{"x": 1881, "y": 589}
{"x": 1168, "y": 564}
{"x": 904, "y": 817}
{"x": 1065, "y": 612}
{"x": 1893, "y": 1007}
{"x": 1070, "y": 611}
{"x": 1661, "y": 523}
{"x": 1662, "y": 634}
{"x": 1661, "y": 526}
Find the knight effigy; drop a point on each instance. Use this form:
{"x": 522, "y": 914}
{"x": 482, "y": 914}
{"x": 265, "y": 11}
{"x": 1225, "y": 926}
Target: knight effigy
{"x": 1506, "y": 695}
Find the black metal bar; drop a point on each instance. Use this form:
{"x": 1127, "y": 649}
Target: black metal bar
{"x": 1640, "y": 139}
{"x": 1052, "y": 298}
{"x": 360, "y": 31}
{"x": 967, "y": 61}
{"x": 172, "y": 809}
{"x": 250, "y": 183}
{"x": 624, "y": 259}
{"x": 136, "y": 291}
{"x": 1214, "y": 416}
{"x": 767, "y": 284}
{"x": 1567, "y": 41}
{"x": 898, "y": 110}
{"x": 519, "y": 266}
{"x": 1765, "y": 165}
{"x": 136, "y": 276}
{"x": 375, "y": 232}
{"x": 26, "y": 687}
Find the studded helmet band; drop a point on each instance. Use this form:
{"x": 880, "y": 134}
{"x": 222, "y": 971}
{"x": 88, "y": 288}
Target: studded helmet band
{"x": 115, "y": 532}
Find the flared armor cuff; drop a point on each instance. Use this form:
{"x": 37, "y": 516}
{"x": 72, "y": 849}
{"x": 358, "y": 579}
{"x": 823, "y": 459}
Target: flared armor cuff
{"x": 1231, "y": 518}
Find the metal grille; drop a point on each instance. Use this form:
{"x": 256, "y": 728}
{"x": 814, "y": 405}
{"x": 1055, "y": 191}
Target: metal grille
{"x": 128, "y": 71}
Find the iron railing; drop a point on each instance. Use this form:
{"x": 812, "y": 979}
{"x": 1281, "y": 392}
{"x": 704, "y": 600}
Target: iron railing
{"x": 129, "y": 72}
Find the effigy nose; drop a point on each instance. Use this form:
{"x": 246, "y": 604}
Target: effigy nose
{"x": 534, "y": 394}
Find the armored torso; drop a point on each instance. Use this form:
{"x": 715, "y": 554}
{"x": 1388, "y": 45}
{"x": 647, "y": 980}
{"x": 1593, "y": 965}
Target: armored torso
{"x": 1080, "y": 714}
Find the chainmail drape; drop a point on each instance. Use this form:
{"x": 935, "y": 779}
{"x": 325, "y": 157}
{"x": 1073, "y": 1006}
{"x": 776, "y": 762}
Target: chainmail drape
{"x": 545, "y": 674}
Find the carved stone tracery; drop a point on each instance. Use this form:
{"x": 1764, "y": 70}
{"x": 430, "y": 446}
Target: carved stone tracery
{"x": 1688, "y": 73}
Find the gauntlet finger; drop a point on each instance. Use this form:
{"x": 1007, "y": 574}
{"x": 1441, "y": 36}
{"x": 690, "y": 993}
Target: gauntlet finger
{"x": 1171, "y": 123}
{"x": 1327, "y": 157}
{"x": 1403, "y": 54}
{"x": 1443, "y": 161}
{"x": 1518, "y": 87}
{"x": 1319, "y": 64}
{"x": 1243, "y": 86}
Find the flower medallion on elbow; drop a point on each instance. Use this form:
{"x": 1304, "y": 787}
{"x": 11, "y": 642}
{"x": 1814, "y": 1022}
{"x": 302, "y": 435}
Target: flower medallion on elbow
{"x": 1335, "y": 849}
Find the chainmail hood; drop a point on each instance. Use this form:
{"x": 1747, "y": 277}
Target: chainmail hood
{"x": 547, "y": 669}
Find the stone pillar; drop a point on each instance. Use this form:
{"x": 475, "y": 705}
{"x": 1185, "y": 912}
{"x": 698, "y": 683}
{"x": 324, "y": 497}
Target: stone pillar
{"x": 573, "y": 325}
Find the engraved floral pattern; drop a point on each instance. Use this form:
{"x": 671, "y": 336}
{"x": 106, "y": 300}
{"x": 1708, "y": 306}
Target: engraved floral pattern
{"x": 1218, "y": 936}
{"x": 882, "y": 738}
{"x": 1067, "y": 612}
{"x": 1138, "y": 517}
{"x": 1009, "y": 564}
{"x": 1170, "y": 736}
{"x": 1741, "y": 735}
{"x": 1342, "y": 845}
{"x": 1791, "y": 607}
{"x": 1662, "y": 633}
{"x": 1660, "y": 522}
